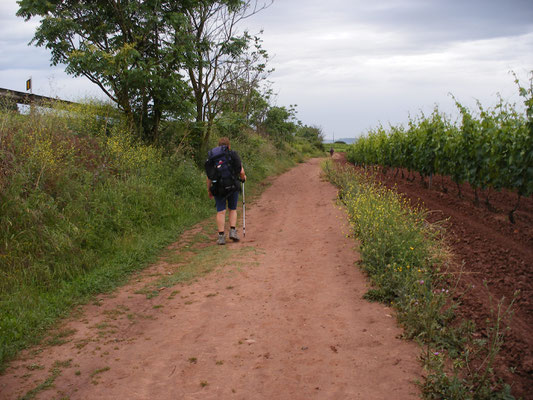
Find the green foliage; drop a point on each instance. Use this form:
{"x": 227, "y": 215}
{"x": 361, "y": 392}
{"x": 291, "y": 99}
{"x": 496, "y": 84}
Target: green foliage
{"x": 7, "y": 104}
{"x": 134, "y": 53}
{"x": 261, "y": 158}
{"x": 219, "y": 61}
{"x": 231, "y": 125}
{"x": 405, "y": 259}
{"x": 398, "y": 249}
{"x": 83, "y": 203}
{"x": 490, "y": 150}
{"x": 243, "y": 90}
{"x": 78, "y": 212}
{"x": 312, "y": 135}
{"x": 337, "y": 146}
{"x": 279, "y": 124}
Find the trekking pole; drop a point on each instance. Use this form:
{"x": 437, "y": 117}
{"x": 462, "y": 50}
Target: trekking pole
{"x": 243, "y": 212}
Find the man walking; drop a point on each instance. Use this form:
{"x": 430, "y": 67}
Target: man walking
{"x": 224, "y": 169}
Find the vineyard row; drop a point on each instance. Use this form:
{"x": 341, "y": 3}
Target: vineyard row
{"x": 491, "y": 149}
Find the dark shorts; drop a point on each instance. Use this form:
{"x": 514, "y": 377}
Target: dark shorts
{"x": 232, "y": 200}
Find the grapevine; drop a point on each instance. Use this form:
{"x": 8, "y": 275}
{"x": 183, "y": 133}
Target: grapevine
{"x": 491, "y": 148}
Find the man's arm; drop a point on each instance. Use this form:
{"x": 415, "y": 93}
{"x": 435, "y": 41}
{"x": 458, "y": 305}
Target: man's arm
{"x": 237, "y": 158}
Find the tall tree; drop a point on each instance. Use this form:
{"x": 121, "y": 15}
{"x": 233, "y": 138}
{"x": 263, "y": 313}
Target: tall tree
{"x": 247, "y": 91}
{"x": 281, "y": 123}
{"x": 132, "y": 49}
{"x": 217, "y": 47}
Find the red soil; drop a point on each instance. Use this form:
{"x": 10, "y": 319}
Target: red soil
{"x": 490, "y": 249}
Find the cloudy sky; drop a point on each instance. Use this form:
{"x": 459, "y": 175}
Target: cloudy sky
{"x": 349, "y": 65}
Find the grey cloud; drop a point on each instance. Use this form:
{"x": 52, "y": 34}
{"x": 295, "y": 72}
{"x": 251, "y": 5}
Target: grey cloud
{"x": 443, "y": 21}
{"x": 426, "y": 22}
{"x": 14, "y": 55}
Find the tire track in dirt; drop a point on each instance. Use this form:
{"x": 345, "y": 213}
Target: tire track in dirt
{"x": 282, "y": 318}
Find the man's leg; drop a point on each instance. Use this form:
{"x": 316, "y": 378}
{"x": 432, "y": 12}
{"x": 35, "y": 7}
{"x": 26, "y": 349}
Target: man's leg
{"x": 221, "y": 220}
{"x": 232, "y": 205}
{"x": 233, "y": 224}
{"x": 233, "y": 218}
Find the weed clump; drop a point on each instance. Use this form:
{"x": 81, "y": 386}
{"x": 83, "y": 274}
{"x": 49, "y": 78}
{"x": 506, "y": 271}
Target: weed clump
{"x": 82, "y": 204}
{"x": 406, "y": 260}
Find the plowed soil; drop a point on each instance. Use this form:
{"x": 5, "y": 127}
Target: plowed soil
{"x": 280, "y": 316}
{"x": 488, "y": 248}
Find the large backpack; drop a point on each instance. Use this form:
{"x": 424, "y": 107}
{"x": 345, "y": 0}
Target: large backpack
{"x": 220, "y": 170}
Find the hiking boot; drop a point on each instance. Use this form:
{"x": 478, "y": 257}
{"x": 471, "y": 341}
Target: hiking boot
{"x": 233, "y": 235}
{"x": 221, "y": 239}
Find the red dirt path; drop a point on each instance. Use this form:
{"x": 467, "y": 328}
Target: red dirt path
{"x": 492, "y": 250}
{"x": 284, "y": 319}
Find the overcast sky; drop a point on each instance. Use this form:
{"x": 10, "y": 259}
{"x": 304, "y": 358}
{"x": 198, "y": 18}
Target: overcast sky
{"x": 348, "y": 64}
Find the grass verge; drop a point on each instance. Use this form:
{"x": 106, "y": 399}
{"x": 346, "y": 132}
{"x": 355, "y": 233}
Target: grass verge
{"x": 83, "y": 204}
{"x": 406, "y": 260}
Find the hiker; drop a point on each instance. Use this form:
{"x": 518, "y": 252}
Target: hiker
{"x": 224, "y": 170}
{"x": 331, "y": 151}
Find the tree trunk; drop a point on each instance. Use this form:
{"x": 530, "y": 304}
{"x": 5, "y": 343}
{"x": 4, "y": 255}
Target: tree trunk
{"x": 487, "y": 202}
{"x": 511, "y": 213}
{"x": 443, "y": 186}
{"x": 459, "y": 194}
{"x": 155, "y": 126}
{"x": 476, "y": 197}
{"x": 207, "y": 134}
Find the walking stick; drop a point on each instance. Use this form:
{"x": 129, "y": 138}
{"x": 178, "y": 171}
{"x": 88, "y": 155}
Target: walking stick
{"x": 243, "y": 213}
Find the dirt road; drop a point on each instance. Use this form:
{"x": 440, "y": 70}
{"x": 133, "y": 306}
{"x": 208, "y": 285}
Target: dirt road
{"x": 280, "y": 317}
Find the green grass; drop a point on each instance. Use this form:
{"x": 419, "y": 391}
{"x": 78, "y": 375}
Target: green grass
{"x": 338, "y": 147}
{"x": 406, "y": 260}
{"x": 196, "y": 257}
{"x": 99, "y": 371}
{"x": 83, "y": 205}
{"x": 48, "y": 383}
